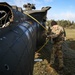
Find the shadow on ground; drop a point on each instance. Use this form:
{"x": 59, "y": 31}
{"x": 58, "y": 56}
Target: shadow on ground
{"x": 43, "y": 68}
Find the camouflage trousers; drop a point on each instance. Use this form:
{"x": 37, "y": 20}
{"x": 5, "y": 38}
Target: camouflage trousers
{"x": 57, "y": 51}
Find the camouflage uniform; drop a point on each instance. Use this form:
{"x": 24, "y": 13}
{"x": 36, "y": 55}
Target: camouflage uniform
{"x": 57, "y": 35}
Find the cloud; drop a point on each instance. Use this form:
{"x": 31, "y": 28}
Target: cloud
{"x": 65, "y": 16}
{"x": 1, "y": 0}
{"x": 39, "y": 3}
{"x": 48, "y": 0}
{"x": 20, "y": 3}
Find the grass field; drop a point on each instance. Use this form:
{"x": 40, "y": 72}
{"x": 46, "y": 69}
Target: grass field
{"x": 70, "y": 37}
{"x": 70, "y": 34}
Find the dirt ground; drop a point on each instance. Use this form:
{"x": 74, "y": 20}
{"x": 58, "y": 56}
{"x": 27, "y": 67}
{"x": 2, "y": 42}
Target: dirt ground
{"x": 41, "y": 67}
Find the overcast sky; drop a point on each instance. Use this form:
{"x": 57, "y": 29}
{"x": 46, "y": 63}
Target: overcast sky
{"x": 61, "y": 9}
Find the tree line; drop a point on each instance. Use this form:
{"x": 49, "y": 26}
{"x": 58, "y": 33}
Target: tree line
{"x": 64, "y": 23}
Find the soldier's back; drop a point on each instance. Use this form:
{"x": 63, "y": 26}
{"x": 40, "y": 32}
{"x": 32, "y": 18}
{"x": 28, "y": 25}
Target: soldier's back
{"x": 57, "y": 29}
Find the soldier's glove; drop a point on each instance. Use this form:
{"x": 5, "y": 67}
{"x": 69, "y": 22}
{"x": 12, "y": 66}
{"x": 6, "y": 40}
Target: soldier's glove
{"x": 64, "y": 38}
{"x": 49, "y": 36}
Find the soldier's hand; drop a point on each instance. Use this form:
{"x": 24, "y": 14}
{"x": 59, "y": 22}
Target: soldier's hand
{"x": 49, "y": 36}
{"x": 65, "y": 38}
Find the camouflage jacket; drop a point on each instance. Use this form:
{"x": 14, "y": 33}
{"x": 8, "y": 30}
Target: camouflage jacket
{"x": 57, "y": 33}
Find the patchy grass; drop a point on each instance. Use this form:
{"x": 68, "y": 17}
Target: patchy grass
{"x": 70, "y": 34}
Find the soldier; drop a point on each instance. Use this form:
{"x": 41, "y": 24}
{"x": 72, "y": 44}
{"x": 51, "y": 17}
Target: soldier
{"x": 57, "y": 37}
